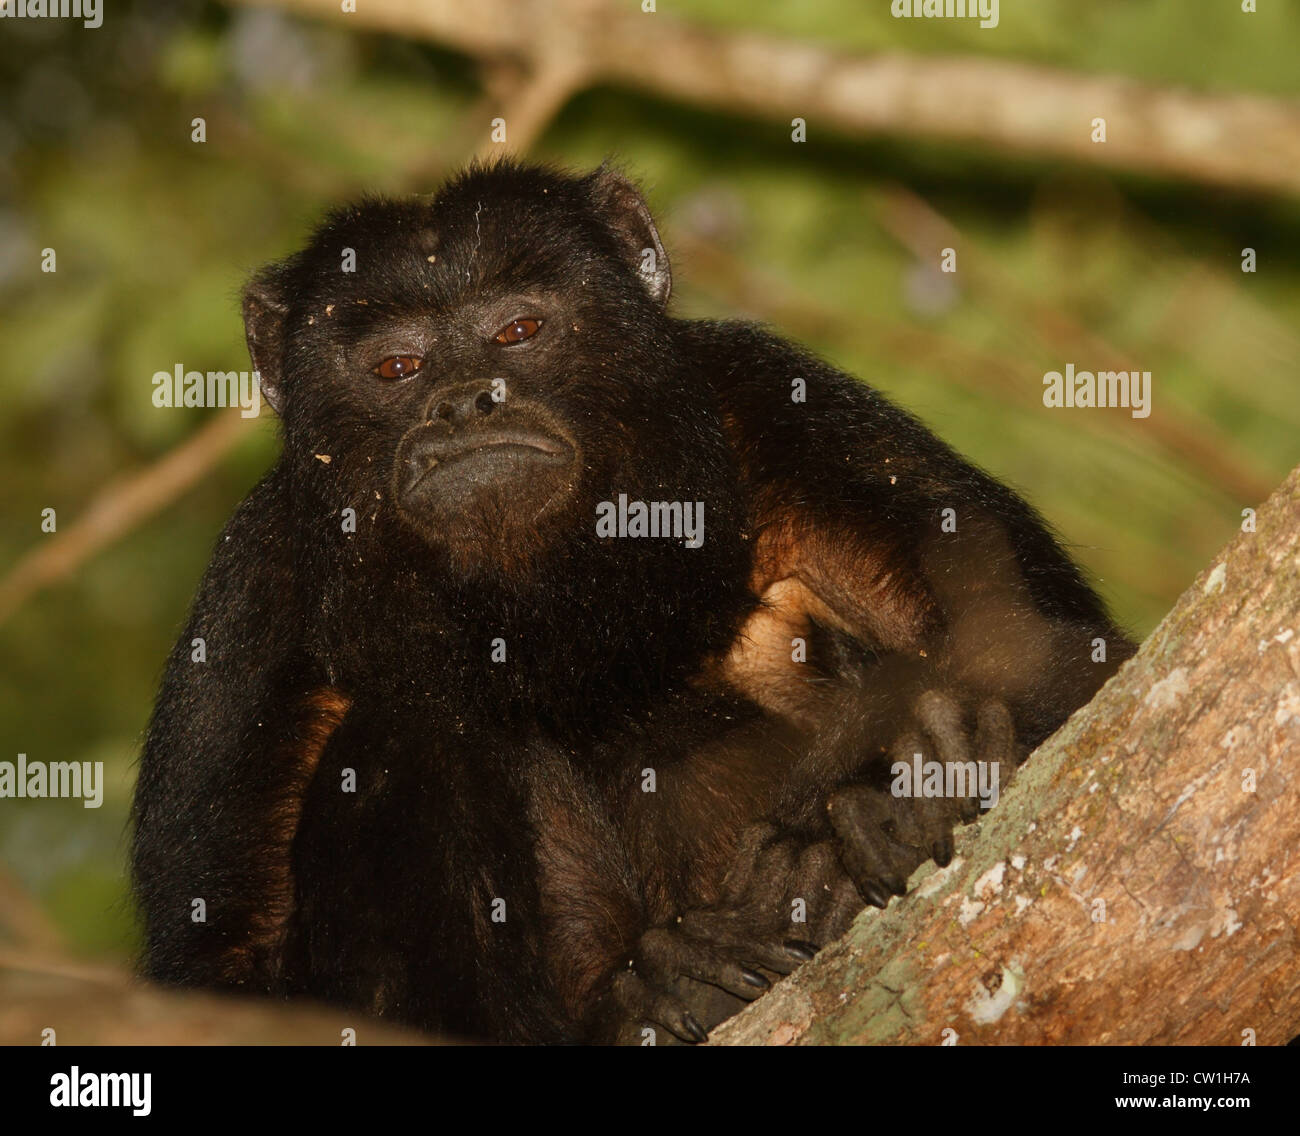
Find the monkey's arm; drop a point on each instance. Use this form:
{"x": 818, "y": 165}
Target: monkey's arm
{"x": 225, "y": 757}
{"x": 913, "y": 604}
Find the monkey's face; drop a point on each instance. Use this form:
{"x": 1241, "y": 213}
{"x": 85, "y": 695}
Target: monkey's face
{"x": 486, "y": 369}
{"x": 484, "y": 459}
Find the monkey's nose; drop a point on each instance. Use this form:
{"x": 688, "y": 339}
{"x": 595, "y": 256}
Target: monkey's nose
{"x": 463, "y": 405}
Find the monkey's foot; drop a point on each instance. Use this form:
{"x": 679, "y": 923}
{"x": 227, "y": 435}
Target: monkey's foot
{"x": 780, "y": 898}
{"x": 782, "y": 887}
{"x": 681, "y": 982}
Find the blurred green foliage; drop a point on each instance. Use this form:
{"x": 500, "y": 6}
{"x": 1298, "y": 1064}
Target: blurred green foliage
{"x": 154, "y": 234}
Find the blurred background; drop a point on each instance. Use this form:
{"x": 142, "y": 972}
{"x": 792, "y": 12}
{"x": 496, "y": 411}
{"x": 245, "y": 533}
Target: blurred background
{"x": 1109, "y": 255}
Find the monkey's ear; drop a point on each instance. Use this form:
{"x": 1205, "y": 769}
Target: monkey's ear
{"x": 264, "y": 314}
{"x": 621, "y": 205}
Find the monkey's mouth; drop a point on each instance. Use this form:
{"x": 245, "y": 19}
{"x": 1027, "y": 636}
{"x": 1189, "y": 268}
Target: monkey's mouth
{"x": 488, "y": 455}
{"x": 443, "y": 473}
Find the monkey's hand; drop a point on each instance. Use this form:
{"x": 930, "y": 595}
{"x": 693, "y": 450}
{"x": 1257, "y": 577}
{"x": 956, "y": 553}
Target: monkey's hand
{"x": 784, "y": 888}
{"x": 884, "y": 836}
{"x": 782, "y": 896}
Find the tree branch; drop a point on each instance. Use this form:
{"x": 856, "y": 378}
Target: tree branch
{"x": 118, "y": 509}
{"x": 1241, "y": 141}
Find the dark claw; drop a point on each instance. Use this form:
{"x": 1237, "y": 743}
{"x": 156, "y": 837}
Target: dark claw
{"x": 801, "y": 948}
{"x": 874, "y": 893}
{"x": 694, "y": 1028}
{"x": 942, "y": 851}
{"x": 753, "y": 978}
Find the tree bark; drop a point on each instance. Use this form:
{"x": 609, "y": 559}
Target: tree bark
{"x": 1138, "y": 883}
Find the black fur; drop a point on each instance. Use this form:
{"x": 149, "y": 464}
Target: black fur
{"x": 368, "y": 655}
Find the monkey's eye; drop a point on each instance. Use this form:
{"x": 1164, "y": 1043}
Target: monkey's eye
{"x": 516, "y": 331}
{"x": 399, "y": 367}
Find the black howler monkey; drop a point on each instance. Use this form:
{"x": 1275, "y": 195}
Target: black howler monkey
{"x": 470, "y": 751}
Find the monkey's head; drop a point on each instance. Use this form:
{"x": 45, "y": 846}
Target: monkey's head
{"x": 479, "y": 374}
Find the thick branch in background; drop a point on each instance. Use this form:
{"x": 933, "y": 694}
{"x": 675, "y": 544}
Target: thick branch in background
{"x": 119, "y": 508}
{"x": 42, "y": 987}
{"x": 93, "y": 1006}
{"x": 1242, "y": 141}
{"x": 1140, "y": 880}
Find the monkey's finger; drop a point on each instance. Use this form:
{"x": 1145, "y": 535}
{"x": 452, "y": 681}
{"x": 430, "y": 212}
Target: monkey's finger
{"x": 813, "y": 889}
{"x": 780, "y": 956}
{"x": 837, "y": 911}
{"x": 942, "y": 719}
{"x": 936, "y": 819}
{"x": 858, "y": 815}
{"x": 746, "y": 863}
{"x": 944, "y": 722}
{"x": 640, "y": 1000}
{"x": 908, "y": 823}
{"x": 742, "y": 943}
{"x": 995, "y": 735}
{"x": 996, "y": 749}
{"x": 817, "y": 867}
{"x": 773, "y": 870}
{"x": 925, "y": 823}
{"x": 665, "y": 954}
{"x": 921, "y": 822}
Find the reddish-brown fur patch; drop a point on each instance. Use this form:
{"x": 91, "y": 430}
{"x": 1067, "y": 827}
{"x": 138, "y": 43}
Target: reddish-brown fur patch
{"x": 838, "y": 575}
{"x": 322, "y": 712}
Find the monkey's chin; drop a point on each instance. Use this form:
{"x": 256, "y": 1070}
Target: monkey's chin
{"x": 490, "y": 506}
